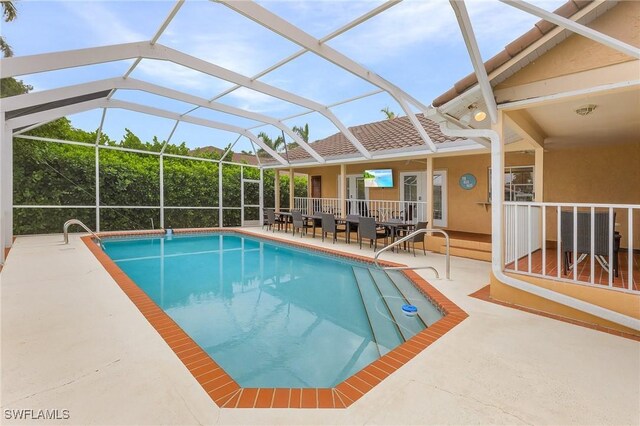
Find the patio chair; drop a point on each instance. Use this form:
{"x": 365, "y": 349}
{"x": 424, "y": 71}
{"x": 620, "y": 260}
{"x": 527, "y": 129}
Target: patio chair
{"x": 419, "y": 238}
{"x": 600, "y": 243}
{"x": 353, "y": 227}
{"x": 329, "y": 225}
{"x": 299, "y": 223}
{"x": 367, "y": 229}
{"x": 272, "y": 221}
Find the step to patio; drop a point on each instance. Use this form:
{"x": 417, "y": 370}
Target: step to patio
{"x": 471, "y": 246}
{"x": 476, "y": 254}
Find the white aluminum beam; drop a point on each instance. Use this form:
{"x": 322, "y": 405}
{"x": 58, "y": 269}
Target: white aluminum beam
{"x": 289, "y": 31}
{"x": 476, "y": 59}
{"x": 575, "y": 27}
{"x": 194, "y": 120}
{"x": 33, "y": 126}
{"x": 104, "y": 103}
{"x": 52, "y": 114}
{"x": 324, "y": 39}
{"x": 36, "y": 98}
{"x": 14, "y": 66}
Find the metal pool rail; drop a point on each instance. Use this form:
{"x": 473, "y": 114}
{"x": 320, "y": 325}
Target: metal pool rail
{"x": 70, "y": 222}
{"x": 409, "y": 237}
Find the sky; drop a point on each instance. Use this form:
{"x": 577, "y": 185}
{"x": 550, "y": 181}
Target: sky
{"x": 415, "y": 44}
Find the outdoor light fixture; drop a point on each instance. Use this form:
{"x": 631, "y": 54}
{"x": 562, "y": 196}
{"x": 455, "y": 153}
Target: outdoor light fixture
{"x": 480, "y": 115}
{"x": 475, "y": 112}
{"x": 585, "y": 109}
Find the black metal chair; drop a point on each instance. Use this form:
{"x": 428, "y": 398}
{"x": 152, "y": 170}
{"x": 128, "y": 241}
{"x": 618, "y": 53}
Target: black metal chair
{"x": 300, "y": 223}
{"x": 329, "y": 225}
{"x": 600, "y": 240}
{"x": 368, "y": 229}
{"x": 272, "y": 221}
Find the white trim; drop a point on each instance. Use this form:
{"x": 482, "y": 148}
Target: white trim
{"x": 530, "y": 102}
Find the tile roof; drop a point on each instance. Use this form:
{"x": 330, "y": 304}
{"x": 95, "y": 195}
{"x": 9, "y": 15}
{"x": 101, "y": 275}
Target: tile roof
{"x": 396, "y": 133}
{"x": 511, "y": 50}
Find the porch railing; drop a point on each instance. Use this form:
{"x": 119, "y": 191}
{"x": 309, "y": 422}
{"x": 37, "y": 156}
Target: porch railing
{"x": 409, "y": 211}
{"x": 589, "y": 244}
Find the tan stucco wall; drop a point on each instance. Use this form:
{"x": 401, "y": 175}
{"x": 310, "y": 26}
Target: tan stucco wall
{"x": 464, "y": 212}
{"x": 578, "y": 53}
{"x": 624, "y": 303}
{"x": 595, "y": 174}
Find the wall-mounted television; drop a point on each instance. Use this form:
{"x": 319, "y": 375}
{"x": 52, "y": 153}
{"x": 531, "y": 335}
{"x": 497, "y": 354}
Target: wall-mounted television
{"x": 379, "y": 178}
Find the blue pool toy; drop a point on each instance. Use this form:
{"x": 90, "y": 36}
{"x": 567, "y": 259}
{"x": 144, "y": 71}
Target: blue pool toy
{"x": 409, "y": 310}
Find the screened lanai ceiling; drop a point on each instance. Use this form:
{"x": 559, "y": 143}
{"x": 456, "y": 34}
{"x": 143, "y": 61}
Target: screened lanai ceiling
{"x": 220, "y": 73}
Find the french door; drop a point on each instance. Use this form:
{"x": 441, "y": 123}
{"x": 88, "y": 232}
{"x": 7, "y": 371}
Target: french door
{"x": 440, "y": 198}
{"x": 413, "y": 196}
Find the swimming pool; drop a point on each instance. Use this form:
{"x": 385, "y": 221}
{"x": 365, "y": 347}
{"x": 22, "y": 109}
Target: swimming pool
{"x": 272, "y": 315}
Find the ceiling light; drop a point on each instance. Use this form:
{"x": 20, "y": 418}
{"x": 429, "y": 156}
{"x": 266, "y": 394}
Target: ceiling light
{"x": 475, "y": 112}
{"x": 480, "y": 115}
{"x": 585, "y": 109}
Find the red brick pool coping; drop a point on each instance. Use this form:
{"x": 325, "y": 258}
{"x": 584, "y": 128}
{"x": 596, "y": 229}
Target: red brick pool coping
{"x": 224, "y": 391}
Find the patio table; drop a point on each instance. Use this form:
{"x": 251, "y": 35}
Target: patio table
{"x": 394, "y": 227}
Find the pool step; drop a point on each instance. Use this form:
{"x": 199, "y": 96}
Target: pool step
{"x": 386, "y": 333}
{"x": 394, "y": 299}
{"x": 426, "y": 311}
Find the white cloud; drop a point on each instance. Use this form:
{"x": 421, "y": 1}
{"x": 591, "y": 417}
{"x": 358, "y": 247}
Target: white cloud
{"x": 258, "y": 102}
{"x": 177, "y": 75}
{"x": 105, "y": 26}
{"x": 418, "y": 24}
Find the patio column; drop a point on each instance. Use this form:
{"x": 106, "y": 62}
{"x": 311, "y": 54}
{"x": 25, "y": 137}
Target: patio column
{"x": 277, "y": 190}
{"x": 292, "y": 188}
{"x": 538, "y": 175}
{"x": 497, "y": 196}
{"x": 343, "y": 190}
{"x": 429, "y": 206}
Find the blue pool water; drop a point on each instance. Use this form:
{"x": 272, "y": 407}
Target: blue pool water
{"x": 272, "y": 315}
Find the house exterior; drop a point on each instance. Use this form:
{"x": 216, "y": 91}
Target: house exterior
{"x": 568, "y": 119}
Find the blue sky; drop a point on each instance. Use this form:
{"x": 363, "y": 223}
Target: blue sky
{"x": 416, "y": 45}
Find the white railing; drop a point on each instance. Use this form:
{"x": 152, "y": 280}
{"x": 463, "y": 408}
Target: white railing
{"x": 408, "y": 211}
{"x": 309, "y": 205}
{"x": 522, "y": 231}
{"x": 554, "y": 240}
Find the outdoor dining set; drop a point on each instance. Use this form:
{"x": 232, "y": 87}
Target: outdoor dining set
{"x": 367, "y": 228}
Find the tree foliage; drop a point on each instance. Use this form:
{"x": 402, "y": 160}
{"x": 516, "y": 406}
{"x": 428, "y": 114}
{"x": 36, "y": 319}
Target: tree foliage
{"x": 9, "y": 13}
{"x": 390, "y": 115}
{"x": 48, "y": 173}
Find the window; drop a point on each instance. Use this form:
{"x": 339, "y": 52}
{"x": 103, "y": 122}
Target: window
{"x": 518, "y": 183}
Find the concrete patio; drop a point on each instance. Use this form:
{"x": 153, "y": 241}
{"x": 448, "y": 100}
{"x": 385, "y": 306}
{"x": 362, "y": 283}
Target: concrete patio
{"x": 72, "y": 340}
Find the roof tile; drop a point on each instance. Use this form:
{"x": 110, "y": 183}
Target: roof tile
{"x": 383, "y": 135}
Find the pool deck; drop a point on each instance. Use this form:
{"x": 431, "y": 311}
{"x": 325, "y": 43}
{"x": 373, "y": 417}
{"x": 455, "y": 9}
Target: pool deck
{"x": 72, "y": 340}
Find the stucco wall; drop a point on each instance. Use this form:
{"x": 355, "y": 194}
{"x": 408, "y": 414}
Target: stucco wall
{"x": 464, "y": 212}
{"x": 624, "y": 303}
{"x": 578, "y": 53}
{"x": 595, "y": 174}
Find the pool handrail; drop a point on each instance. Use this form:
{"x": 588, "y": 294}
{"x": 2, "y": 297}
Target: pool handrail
{"x": 447, "y": 261}
{"x": 70, "y": 222}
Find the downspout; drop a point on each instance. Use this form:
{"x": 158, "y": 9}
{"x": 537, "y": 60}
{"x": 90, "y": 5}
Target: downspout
{"x": 497, "y": 195}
